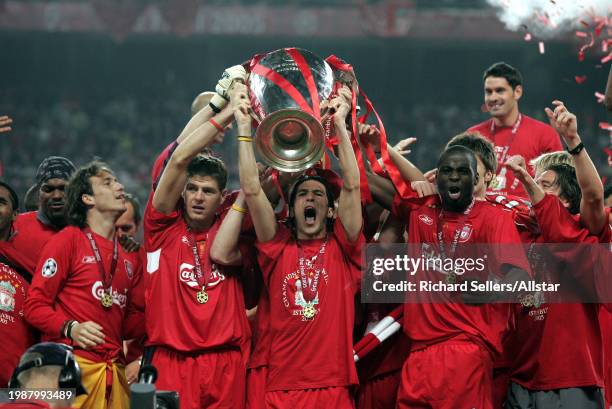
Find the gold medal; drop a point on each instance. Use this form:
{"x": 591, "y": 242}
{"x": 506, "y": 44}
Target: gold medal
{"x": 202, "y": 296}
{"x": 528, "y": 301}
{"x": 451, "y": 278}
{"x": 309, "y": 311}
{"x": 106, "y": 300}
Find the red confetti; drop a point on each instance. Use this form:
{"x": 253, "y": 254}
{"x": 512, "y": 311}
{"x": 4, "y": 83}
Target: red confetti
{"x": 580, "y": 56}
{"x": 600, "y": 97}
{"x": 580, "y": 79}
{"x": 541, "y": 46}
{"x": 528, "y": 37}
{"x": 584, "y": 23}
{"x": 581, "y": 34}
{"x": 606, "y": 58}
{"x": 599, "y": 27}
{"x": 584, "y": 47}
{"x": 604, "y": 46}
{"x": 605, "y": 126}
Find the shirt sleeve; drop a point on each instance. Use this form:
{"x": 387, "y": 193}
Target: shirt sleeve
{"x": 551, "y": 141}
{"x": 156, "y": 224}
{"x": 269, "y": 252}
{"x": 160, "y": 163}
{"x": 50, "y": 275}
{"x": 133, "y": 324}
{"x": 505, "y": 244}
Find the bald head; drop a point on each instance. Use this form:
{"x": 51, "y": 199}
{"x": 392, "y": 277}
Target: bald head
{"x": 201, "y": 101}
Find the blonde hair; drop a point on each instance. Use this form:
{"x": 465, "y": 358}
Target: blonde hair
{"x": 545, "y": 160}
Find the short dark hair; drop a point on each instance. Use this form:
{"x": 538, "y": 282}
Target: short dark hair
{"x": 480, "y": 145}
{"x": 79, "y": 185}
{"x": 304, "y": 178}
{"x": 569, "y": 189}
{"x": 12, "y": 194}
{"x": 293, "y": 195}
{"x": 503, "y": 70}
{"x": 206, "y": 165}
{"x": 136, "y": 205}
{"x": 471, "y": 155}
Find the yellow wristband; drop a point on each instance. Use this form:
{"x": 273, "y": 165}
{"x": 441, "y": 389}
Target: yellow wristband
{"x": 245, "y": 139}
{"x": 239, "y": 209}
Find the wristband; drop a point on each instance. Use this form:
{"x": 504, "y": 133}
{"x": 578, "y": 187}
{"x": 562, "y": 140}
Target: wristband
{"x": 576, "y": 150}
{"x": 245, "y": 139}
{"x": 239, "y": 209}
{"x": 65, "y": 328}
{"x": 216, "y": 125}
{"x": 69, "y": 329}
{"x": 215, "y": 108}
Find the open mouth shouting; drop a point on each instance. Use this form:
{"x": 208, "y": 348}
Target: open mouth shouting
{"x": 310, "y": 215}
{"x": 198, "y": 209}
{"x": 454, "y": 192}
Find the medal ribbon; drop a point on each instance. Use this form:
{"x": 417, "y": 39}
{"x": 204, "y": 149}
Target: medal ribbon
{"x": 308, "y": 291}
{"x": 200, "y": 277}
{"x": 461, "y": 224}
{"x": 514, "y": 131}
{"x": 99, "y": 261}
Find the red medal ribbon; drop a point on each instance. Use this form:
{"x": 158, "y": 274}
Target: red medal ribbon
{"x": 283, "y": 84}
{"x": 310, "y": 83}
{"x": 94, "y": 247}
{"x": 514, "y": 131}
{"x": 200, "y": 277}
{"x": 310, "y": 291}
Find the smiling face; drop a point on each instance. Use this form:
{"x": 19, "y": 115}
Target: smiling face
{"x": 310, "y": 210}
{"x": 500, "y": 99}
{"x": 202, "y": 198}
{"x": 456, "y": 180}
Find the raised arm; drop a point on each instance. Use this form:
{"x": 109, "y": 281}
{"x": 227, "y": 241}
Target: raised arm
{"x": 225, "y": 250}
{"x": 219, "y": 100}
{"x": 592, "y": 211}
{"x": 260, "y": 208}
{"x": 382, "y": 190}
{"x": 173, "y": 178}
{"x": 349, "y": 203}
{"x": 407, "y": 170}
{"x": 517, "y": 164}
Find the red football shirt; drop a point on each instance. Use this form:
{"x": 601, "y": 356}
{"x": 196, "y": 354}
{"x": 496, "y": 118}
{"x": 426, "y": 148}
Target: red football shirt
{"x": 16, "y": 334}
{"x": 67, "y": 285}
{"x": 318, "y": 352}
{"x": 560, "y": 345}
{"x": 532, "y": 138}
{"x": 261, "y": 333}
{"x": 174, "y": 318}
{"x": 487, "y": 223}
{"x": 29, "y": 237}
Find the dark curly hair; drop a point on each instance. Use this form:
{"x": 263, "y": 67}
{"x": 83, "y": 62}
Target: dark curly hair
{"x": 79, "y": 185}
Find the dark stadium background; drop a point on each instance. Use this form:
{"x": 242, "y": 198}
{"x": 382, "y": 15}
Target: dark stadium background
{"x": 82, "y": 93}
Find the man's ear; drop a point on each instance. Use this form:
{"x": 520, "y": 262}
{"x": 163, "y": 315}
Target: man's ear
{"x": 518, "y": 92}
{"x": 475, "y": 178}
{"x": 488, "y": 176}
{"x": 87, "y": 199}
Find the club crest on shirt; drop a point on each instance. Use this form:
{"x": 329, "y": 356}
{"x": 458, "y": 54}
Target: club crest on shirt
{"x": 97, "y": 290}
{"x": 293, "y": 295}
{"x": 185, "y": 240}
{"x": 7, "y": 296}
{"x": 426, "y": 219}
{"x": 88, "y": 260}
{"x": 129, "y": 269}
{"x": 466, "y": 233}
{"x": 187, "y": 276}
{"x": 49, "y": 268}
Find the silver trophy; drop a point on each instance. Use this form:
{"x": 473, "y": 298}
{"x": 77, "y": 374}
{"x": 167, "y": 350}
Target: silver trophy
{"x": 286, "y": 88}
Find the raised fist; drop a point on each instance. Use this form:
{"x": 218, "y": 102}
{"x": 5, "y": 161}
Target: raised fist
{"x": 237, "y": 73}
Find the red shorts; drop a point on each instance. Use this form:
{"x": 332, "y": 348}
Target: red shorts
{"x": 209, "y": 380}
{"x": 379, "y": 392}
{"x": 256, "y": 387}
{"x": 335, "y": 398}
{"x": 455, "y": 374}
